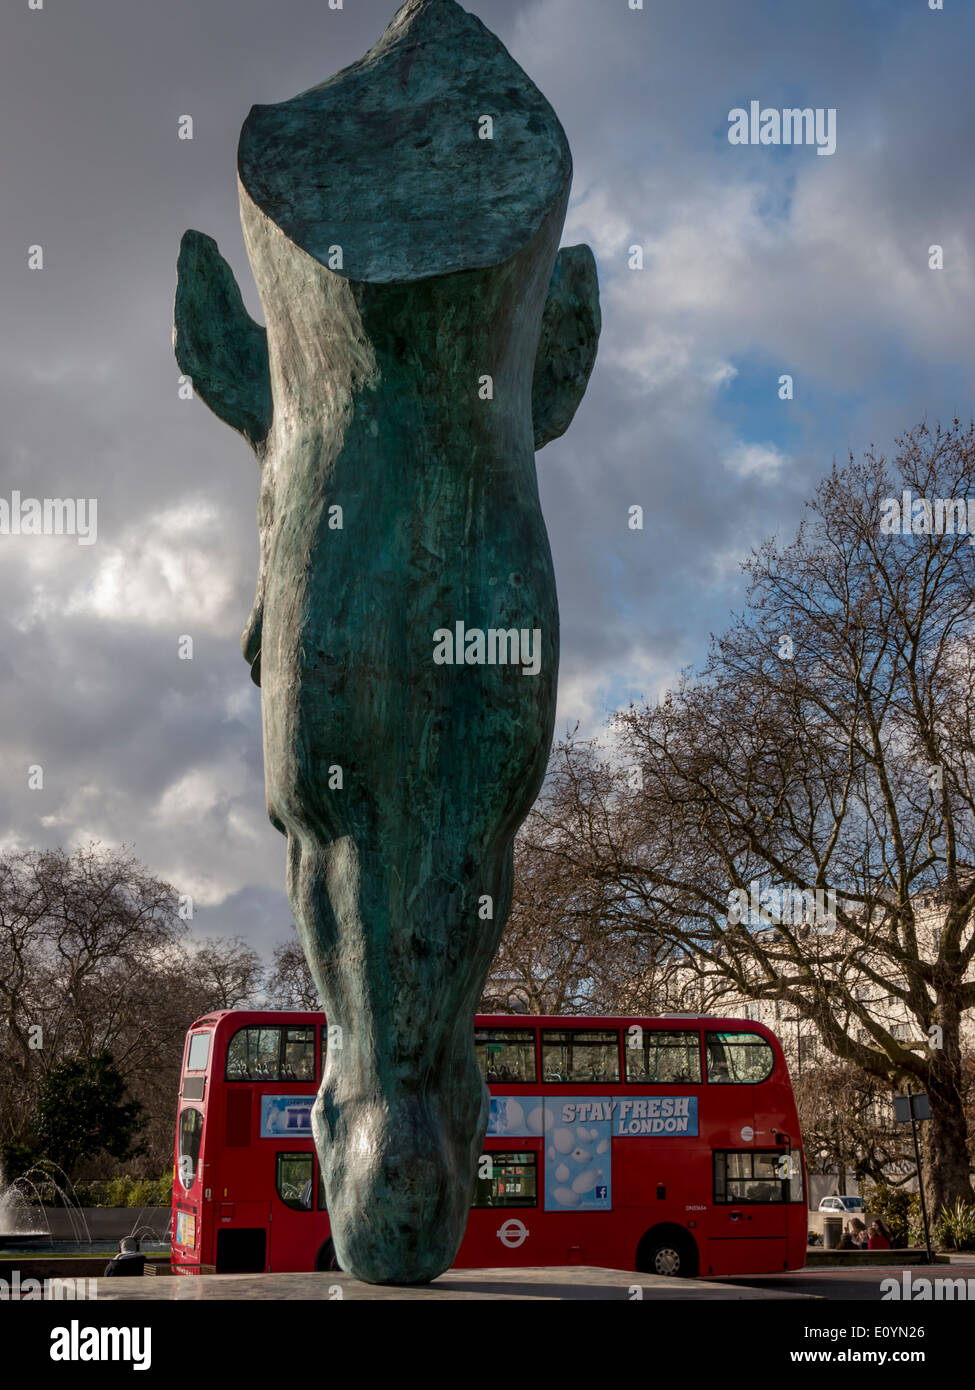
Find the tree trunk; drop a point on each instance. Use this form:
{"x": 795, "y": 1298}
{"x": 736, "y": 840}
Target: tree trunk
{"x": 945, "y": 1156}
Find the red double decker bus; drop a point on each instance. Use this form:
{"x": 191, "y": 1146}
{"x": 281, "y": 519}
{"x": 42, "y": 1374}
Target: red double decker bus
{"x": 664, "y": 1145}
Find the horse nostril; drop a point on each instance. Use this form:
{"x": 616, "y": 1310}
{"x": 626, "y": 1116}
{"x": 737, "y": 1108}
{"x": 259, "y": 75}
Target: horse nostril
{"x": 250, "y": 642}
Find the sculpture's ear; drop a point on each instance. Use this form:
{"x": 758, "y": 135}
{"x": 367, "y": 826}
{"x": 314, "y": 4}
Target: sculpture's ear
{"x": 218, "y": 344}
{"x": 567, "y": 348}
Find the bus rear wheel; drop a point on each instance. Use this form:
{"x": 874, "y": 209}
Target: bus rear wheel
{"x": 326, "y": 1260}
{"x": 669, "y": 1252}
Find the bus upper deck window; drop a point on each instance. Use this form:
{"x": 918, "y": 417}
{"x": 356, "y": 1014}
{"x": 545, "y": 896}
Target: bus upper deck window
{"x": 271, "y": 1054}
{"x": 736, "y": 1058}
{"x": 666, "y": 1058}
{"x": 254, "y": 1054}
{"x": 581, "y": 1054}
{"x": 506, "y": 1054}
{"x": 199, "y": 1052}
{"x": 298, "y": 1062}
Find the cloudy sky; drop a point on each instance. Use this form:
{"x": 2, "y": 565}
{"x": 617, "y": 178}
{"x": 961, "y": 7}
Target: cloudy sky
{"x": 758, "y": 261}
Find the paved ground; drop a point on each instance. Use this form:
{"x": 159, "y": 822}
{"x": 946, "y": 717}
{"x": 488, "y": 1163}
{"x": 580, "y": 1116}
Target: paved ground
{"x": 574, "y": 1282}
{"x": 861, "y": 1285}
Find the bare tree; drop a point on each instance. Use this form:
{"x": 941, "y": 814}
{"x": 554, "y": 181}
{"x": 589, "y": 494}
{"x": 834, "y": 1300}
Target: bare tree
{"x": 848, "y": 1127}
{"x": 79, "y": 937}
{"x": 559, "y": 955}
{"x": 290, "y": 984}
{"x": 94, "y": 959}
{"x": 826, "y": 749}
{"x": 545, "y": 962}
{"x": 226, "y": 972}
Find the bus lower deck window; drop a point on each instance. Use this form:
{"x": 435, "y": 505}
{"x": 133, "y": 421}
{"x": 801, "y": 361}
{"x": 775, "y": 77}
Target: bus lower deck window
{"x": 752, "y": 1175}
{"x": 507, "y": 1180}
{"x": 190, "y": 1138}
{"x": 295, "y": 1180}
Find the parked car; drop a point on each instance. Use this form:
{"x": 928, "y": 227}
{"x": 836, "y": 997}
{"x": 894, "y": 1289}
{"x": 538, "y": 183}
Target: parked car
{"x": 842, "y": 1206}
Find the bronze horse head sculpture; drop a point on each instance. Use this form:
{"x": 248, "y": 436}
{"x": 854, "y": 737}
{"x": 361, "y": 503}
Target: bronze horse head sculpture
{"x": 424, "y": 337}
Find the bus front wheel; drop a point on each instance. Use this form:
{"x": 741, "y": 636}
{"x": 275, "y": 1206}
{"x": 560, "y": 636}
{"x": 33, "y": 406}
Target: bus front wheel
{"x": 667, "y": 1251}
{"x": 325, "y": 1260}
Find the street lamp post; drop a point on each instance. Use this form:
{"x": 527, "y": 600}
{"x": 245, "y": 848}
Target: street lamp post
{"x": 920, "y": 1180}
{"x": 911, "y": 1108}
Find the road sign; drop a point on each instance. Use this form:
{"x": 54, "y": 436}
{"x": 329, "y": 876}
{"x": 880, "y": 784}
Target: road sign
{"x": 908, "y": 1110}
{"x": 910, "y": 1107}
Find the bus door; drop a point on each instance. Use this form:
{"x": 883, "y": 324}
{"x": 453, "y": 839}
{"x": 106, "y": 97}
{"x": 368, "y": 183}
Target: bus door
{"x": 506, "y": 1225}
{"x": 773, "y": 1102}
{"x": 297, "y": 1231}
{"x": 750, "y": 1212}
{"x": 242, "y": 1230}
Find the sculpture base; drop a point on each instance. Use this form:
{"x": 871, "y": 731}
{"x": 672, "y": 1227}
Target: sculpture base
{"x": 571, "y": 1282}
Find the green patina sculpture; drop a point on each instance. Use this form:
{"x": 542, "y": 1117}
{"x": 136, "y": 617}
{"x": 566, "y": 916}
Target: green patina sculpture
{"x": 424, "y": 337}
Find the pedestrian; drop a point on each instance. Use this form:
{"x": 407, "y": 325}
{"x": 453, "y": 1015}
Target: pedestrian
{"x": 128, "y": 1262}
{"x": 859, "y": 1233}
{"x": 879, "y": 1238}
{"x": 846, "y": 1241}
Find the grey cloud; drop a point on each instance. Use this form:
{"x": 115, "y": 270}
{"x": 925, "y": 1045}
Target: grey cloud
{"x": 89, "y": 100}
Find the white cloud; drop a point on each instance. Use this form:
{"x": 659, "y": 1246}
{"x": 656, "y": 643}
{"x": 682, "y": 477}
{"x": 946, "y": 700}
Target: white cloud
{"x": 172, "y": 568}
{"x": 762, "y": 461}
{"x": 210, "y": 823}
